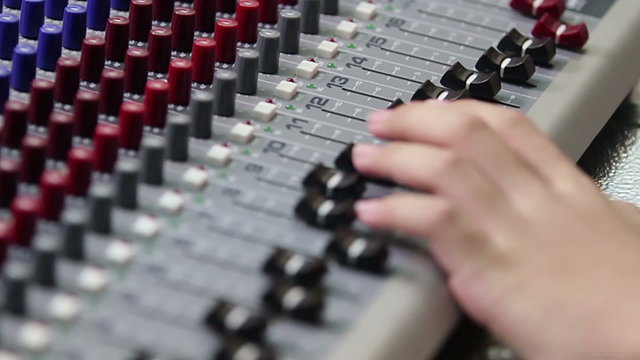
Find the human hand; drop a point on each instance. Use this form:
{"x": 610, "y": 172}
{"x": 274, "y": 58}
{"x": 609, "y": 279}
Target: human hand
{"x": 532, "y": 248}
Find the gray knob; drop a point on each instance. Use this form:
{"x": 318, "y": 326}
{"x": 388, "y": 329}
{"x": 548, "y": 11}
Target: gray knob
{"x": 224, "y": 93}
{"x": 177, "y": 134}
{"x": 44, "y": 267}
{"x": 74, "y": 223}
{"x": 152, "y": 161}
{"x": 100, "y": 208}
{"x": 127, "y": 174}
{"x": 247, "y": 69}
{"x": 310, "y": 16}
{"x": 16, "y": 275}
{"x": 201, "y": 113}
{"x": 289, "y": 27}
{"x": 269, "y": 48}
{"x": 329, "y": 7}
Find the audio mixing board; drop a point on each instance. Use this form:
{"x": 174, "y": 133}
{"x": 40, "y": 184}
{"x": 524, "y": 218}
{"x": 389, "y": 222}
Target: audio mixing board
{"x": 175, "y": 177}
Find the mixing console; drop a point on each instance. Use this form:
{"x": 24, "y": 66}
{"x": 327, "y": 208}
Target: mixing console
{"x": 175, "y": 177}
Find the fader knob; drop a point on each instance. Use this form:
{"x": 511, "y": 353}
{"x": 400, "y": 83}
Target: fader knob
{"x": 349, "y": 249}
{"x": 567, "y": 35}
{"x": 344, "y": 160}
{"x": 247, "y": 70}
{"x": 201, "y": 113}
{"x": 33, "y": 156}
{"x": 310, "y": 16}
{"x": 74, "y": 224}
{"x": 53, "y": 186}
{"x": 299, "y": 302}
{"x": 31, "y": 18}
{"x": 60, "y": 136}
{"x": 23, "y": 69}
{"x": 429, "y": 90}
{"x": 225, "y": 35}
{"x": 54, "y": 9}
{"x": 40, "y": 102}
{"x": 203, "y": 58}
{"x": 334, "y": 184}
{"x": 105, "y": 145}
{"x": 9, "y": 170}
{"x": 234, "y": 349}
{"x": 49, "y": 46}
{"x": 537, "y": 8}
{"x": 74, "y": 26}
{"x": 116, "y": 38}
{"x": 515, "y": 69}
{"x": 329, "y": 7}
{"x": 67, "y": 80}
{"x": 8, "y": 35}
{"x": 152, "y": 161}
{"x": 135, "y": 70}
{"x": 85, "y": 113}
{"x": 289, "y": 28}
{"x": 16, "y": 276}
{"x": 247, "y": 17}
{"x": 396, "y": 103}
{"x": 127, "y": 173}
{"x": 24, "y": 212}
{"x": 235, "y": 321}
{"x": 159, "y": 47}
{"x": 140, "y": 14}
{"x": 156, "y": 103}
{"x": 182, "y": 27}
{"x": 162, "y": 10}
{"x": 80, "y": 164}
{"x": 131, "y": 122}
{"x": 100, "y": 208}
{"x": 92, "y": 59}
{"x": 516, "y": 44}
{"x": 14, "y": 125}
{"x": 483, "y": 86}
{"x": 299, "y": 269}
{"x": 224, "y": 93}
{"x": 44, "y": 263}
{"x": 97, "y": 14}
{"x": 320, "y": 211}
{"x": 111, "y": 92}
{"x": 205, "y": 15}
{"x": 177, "y": 135}
{"x": 269, "y": 49}
{"x": 179, "y": 81}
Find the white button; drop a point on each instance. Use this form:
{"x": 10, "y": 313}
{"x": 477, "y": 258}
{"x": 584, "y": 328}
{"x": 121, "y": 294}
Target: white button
{"x": 195, "y": 178}
{"x": 243, "y": 133}
{"x": 146, "y": 227}
{"x": 365, "y": 11}
{"x": 64, "y": 307}
{"x": 307, "y": 69}
{"x": 264, "y": 111}
{"x": 347, "y": 29}
{"x": 171, "y": 201}
{"x": 219, "y": 155}
{"x": 93, "y": 279}
{"x": 119, "y": 252}
{"x": 327, "y": 49}
{"x": 286, "y": 90}
{"x": 35, "y": 336}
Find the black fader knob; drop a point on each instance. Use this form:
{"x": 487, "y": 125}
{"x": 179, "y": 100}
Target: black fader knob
{"x": 515, "y": 69}
{"x": 334, "y": 184}
{"x": 397, "y": 102}
{"x": 483, "y": 86}
{"x": 429, "y": 90}
{"x": 302, "y": 303}
{"x": 300, "y": 269}
{"x": 237, "y": 321}
{"x": 234, "y": 349}
{"x": 318, "y": 210}
{"x": 361, "y": 252}
{"x": 343, "y": 161}
{"x": 515, "y": 44}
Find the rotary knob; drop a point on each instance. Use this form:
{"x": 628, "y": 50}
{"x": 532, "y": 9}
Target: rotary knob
{"x": 514, "y": 69}
{"x": 483, "y": 86}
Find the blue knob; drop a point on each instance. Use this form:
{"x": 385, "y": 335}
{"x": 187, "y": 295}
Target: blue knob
{"x": 122, "y": 5}
{"x": 8, "y": 35}
{"x": 24, "y": 67}
{"x": 74, "y": 26}
{"x": 5, "y": 74}
{"x": 49, "y": 46}
{"x": 13, "y": 4}
{"x": 31, "y": 18}
{"x": 54, "y": 9}
{"x": 97, "y": 14}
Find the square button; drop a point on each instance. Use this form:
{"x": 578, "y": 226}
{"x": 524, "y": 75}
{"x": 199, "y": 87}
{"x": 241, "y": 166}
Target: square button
{"x": 307, "y": 69}
{"x": 327, "y": 49}
{"x": 195, "y": 178}
{"x": 219, "y": 155}
{"x": 171, "y": 202}
{"x": 243, "y": 133}
{"x": 365, "y": 11}
{"x": 286, "y": 90}
{"x": 347, "y": 29}
{"x": 264, "y": 111}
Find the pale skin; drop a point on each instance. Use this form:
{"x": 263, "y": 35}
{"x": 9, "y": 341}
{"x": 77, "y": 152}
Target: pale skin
{"x": 531, "y": 248}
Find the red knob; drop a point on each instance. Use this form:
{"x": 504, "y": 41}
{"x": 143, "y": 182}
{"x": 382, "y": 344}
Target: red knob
{"x": 182, "y": 27}
{"x": 80, "y": 165}
{"x": 111, "y": 91}
{"x": 60, "y": 136}
{"x": 24, "y": 214}
{"x": 131, "y": 122}
{"x": 203, "y": 58}
{"x": 226, "y": 6}
{"x": 247, "y": 15}
{"x": 105, "y": 146}
{"x": 14, "y": 126}
{"x": 140, "y": 19}
{"x": 92, "y": 59}
{"x": 225, "y": 36}
{"x": 53, "y": 185}
{"x": 268, "y": 11}
{"x": 40, "y": 102}
{"x": 67, "y": 80}
{"x": 537, "y": 8}
{"x": 179, "y": 82}
{"x": 162, "y": 10}
{"x": 135, "y": 70}
{"x": 9, "y": 170}
{"x": 159, "y": 48}
{"x": 566, "y": 35}
{"x": 116, "y": 38}
{"x": 85, "y": 113}
{"x": 156, "y": 103}
{"x": 34, "y": 155}
{"x": 205, "y": 15}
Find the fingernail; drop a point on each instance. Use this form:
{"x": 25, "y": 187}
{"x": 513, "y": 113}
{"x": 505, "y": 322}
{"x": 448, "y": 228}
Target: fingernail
{"x": 377, "y": 117}
{"x": 367, "y": 210}
{"x": 362, "y": 154}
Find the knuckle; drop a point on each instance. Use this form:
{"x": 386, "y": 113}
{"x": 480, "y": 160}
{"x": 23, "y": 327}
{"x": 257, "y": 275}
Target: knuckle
{"x": 450, "y": 163}
{"x": 444, "y": 214}
{"x": 464, "y": 129}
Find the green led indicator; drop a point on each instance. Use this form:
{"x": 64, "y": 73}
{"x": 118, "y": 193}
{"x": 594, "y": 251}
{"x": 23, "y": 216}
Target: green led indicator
{"x": 290, "y": 107}
{"x": 389, "y": 7}
{"x": 331, "y": 65}
{"x": 311, "y": 86}
{"x": 371, "y": 26}
{"x": 222, "y": 175}
{"x": 268, "y": 129}
{"x": 198, "y": 198}
{"x": 351, "y": 45}
{"x": 246, "y": 151}
{"x": 174, "y": 222}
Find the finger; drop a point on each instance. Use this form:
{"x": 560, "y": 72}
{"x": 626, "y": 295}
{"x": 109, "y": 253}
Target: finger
{"x": 451, "y": 126}
{"x": 433, "y": 169}
{"x": 629, "y": 211}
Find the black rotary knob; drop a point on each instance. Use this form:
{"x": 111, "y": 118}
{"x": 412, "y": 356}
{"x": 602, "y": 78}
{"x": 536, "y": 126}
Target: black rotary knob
{"x": 318, "y": 210}
{"x": 514, "y": 43}
{"x": 483, "y": 86}
{"x": 237, "y": 321}
{"x": 233, "y": 349}
{"x": 299, "y": 302}
{"x": 515, "y": 69}
{"x": 334, "y": 184}
{"x": 300, "y": 269}
{"x": 429, "y": 90}
{"x": 361, "y": 252}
